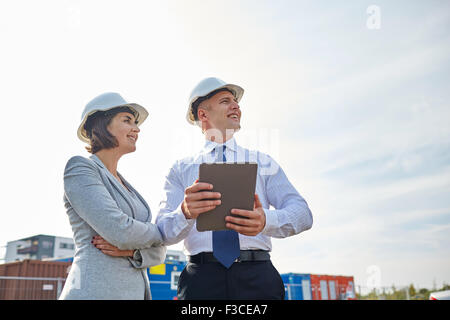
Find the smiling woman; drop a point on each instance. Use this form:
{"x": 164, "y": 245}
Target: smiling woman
{"x": 115, "y": 239}
{"x": 101, "y": 126}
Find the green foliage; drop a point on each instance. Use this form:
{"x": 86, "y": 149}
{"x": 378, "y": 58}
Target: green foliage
{"x": 412, "y": 290}
{"x": 394, "y": 293}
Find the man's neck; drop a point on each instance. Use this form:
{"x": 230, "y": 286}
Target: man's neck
{"x": 219, "y": 136}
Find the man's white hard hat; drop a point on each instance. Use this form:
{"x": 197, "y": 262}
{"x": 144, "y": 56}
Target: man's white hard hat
{"x": 205, "y": 87}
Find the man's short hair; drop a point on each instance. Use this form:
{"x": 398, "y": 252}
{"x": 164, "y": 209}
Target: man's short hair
{"x": 197, "y": 102}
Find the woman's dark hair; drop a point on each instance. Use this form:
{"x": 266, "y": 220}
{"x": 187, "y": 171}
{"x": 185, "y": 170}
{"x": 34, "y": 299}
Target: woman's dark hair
{"x": 97, "y": 132}
{"x": 197, "y": 102}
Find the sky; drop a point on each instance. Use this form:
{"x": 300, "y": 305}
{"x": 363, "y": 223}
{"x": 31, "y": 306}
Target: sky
{"x": 350, "y": 98}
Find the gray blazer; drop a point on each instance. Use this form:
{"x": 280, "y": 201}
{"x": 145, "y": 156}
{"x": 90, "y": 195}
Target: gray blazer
{"x": 97, "y": 204}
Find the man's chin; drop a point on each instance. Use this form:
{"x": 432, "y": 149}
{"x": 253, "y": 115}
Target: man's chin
{"x": 234, "y": 128}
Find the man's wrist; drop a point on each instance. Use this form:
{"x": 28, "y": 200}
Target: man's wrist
{"x": 187, "y": 216}
{"x": 265, "y": 219}
{"x": 271, "y": 221}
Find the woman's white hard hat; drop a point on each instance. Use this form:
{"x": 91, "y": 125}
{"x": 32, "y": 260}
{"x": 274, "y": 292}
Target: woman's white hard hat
{"x": 104, "y": 102}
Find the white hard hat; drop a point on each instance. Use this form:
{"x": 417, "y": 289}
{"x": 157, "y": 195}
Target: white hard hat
{"x": 104, "y": 102}
{"x": 205, "y": 87}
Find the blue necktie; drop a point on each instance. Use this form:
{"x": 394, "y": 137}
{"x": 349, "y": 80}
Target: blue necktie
{"x": 226, "y": 247}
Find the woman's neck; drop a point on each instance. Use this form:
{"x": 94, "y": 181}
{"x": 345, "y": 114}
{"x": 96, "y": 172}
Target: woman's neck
{"x": 110, "y": 158}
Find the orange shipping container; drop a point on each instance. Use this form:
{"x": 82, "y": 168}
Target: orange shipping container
{"x": 319, "y": 287}
{"x": 328, "y": 287}
{"x": 346, "y": 288}
{"x": 332, "y": 287}
{"x": 32, "y": 279}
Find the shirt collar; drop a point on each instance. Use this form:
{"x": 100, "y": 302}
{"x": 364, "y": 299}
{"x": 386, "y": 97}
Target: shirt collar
{"x": 211, "y": 145}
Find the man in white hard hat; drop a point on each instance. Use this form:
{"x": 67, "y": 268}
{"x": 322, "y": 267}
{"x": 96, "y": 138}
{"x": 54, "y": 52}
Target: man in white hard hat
{"x": 235, "y": 263}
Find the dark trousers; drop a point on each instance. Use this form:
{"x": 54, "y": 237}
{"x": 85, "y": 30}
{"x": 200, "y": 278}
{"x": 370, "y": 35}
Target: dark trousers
{"x": 252, "y": 280}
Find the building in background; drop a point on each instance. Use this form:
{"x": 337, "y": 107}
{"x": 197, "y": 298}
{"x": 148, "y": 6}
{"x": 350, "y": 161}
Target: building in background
{"x": 39, "y": 247}
{"x": 46, "y": 247}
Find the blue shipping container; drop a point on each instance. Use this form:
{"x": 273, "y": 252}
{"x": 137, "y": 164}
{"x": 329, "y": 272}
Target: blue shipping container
{"x": 297, "y": 286}
{"x": 67, "y": 259}
{"x": 164, "y": 279}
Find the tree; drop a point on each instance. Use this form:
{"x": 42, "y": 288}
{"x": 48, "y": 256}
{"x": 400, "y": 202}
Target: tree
{"x": 425, "y": 293}
{"x": 412, "y": 290}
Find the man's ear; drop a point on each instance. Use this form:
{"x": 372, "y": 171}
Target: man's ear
{"x": 202, "y": 114}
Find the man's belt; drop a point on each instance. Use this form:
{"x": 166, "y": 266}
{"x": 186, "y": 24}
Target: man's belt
{"x": 246, "y": 256}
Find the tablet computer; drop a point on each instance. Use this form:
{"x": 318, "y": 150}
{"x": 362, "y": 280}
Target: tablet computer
{"x": 236, "y": 183}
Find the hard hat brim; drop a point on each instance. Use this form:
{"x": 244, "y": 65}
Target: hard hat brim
{"x": 238, "y": 92}
{"x": 142, "y": 114}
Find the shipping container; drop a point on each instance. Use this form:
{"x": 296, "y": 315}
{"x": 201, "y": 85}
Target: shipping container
{"x": 44, "y": 280}
{"x": 32, "y": 279}
{"x": 297, "y": 286}
{"x": 346, "y": 287}
{"x": 332, "y": 287}
{"x": 66, "y": 259}
{"x": 329, "y": 287}
{"x": 319, "y": 287}
{"x": 164, "y": 279}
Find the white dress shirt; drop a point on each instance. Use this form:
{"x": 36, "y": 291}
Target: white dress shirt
{"x": 290, "y": 216}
